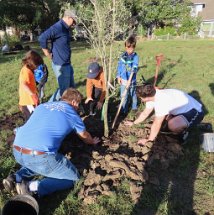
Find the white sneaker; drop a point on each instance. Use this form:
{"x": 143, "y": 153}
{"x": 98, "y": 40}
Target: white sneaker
{"x": 22, "y": 188}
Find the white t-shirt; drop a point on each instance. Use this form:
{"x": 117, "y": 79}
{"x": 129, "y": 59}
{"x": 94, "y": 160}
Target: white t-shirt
{"x": 172, "y": 101}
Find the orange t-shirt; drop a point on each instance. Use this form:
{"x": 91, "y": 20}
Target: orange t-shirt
{"x": 26, "y": 76}
{"x": 97, "y": 82}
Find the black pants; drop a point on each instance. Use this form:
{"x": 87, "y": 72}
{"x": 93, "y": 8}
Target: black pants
{"x": 96, "y": 97}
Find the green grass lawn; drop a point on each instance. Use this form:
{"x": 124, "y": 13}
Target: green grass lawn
{"x": 188, "y": 188}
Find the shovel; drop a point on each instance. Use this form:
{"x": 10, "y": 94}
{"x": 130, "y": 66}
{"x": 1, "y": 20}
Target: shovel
{"x": 158, "y": 58}
{"x": 122, "y": 99}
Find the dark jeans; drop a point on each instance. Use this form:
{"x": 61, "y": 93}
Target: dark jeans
{"x": 95, "y": 96}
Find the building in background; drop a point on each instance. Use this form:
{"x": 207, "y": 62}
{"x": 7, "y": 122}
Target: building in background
{"x": 204, "y": 9}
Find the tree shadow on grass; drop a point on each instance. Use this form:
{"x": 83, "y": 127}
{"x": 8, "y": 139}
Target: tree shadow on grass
{"x": 175, "y": 188}
{"x": 80, "y": 83}
{"x": 166, "y": 68}
{"x": 173, "y": 194}
{"x": 48, "y": 204}
{"x": 211, "y": 85}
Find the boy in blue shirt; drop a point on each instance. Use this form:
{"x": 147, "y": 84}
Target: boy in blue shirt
{"x": 127, "y": 64}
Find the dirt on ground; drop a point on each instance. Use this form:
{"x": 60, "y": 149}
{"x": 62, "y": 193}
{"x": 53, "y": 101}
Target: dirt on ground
{"x": 119, "y": 156}
{"x": 106, "y": 164}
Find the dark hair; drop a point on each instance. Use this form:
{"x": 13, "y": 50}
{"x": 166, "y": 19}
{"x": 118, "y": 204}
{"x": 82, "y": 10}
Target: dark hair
{"x": 71, "y": 94}
{"x": 146, "y": 90}
{"x": 32, "y": 60}
{"x": 131, "y": 42}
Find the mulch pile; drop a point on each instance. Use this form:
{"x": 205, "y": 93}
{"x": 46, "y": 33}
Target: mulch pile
{"x": 104, "y": 166}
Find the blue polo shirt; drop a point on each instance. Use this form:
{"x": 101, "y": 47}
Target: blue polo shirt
{"x": 50, "y": 123}
{"x": 126, "y": 64}
{"x": 59, "y": 35}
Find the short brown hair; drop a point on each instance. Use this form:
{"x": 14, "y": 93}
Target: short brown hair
{"x": 131, "y": 42}
{"x": 32, "y": 60}
{"x": 146, "y": 90}
{"x": 72, "y": 94}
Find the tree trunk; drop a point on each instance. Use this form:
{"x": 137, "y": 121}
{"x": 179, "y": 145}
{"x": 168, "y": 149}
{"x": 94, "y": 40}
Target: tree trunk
{"x": 106, "y": 127}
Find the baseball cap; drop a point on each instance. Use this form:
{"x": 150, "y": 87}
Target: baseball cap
{"x": 72, "y": 14}
{"x": 93, "y": 70}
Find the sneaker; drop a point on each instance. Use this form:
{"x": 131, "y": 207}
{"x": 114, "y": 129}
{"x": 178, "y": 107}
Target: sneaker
{"x": 9, "y": 183}
{"x": 92, "y": 113}
{"x": 22, "y": 188}
{"x": 205, "y": 127}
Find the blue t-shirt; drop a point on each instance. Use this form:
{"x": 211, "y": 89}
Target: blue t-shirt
{"x": 50, "y": 123}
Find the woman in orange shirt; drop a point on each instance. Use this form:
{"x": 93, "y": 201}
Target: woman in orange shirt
{"x": 28, "y": 94}
{"x": 95, "y": 87}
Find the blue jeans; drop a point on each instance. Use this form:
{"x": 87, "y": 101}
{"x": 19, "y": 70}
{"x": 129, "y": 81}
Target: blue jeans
{"x": 131, "y": 93}
{"x": 65, "y": 79}
{"x": 59, "y": 172}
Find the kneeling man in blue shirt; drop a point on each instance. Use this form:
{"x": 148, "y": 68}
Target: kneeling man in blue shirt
{"x": 36, "y": 147}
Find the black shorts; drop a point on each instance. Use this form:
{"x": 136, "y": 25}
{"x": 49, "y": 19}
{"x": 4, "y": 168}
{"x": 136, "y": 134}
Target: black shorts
{"x": 192, "y": 117}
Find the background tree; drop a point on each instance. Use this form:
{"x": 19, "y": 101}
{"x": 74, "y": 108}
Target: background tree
{"x": 154, "y": 14}
{"x": 28, "y": 15}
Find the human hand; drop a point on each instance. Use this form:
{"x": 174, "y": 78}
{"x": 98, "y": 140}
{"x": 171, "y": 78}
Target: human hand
{"x": 142, "y": 142}
{"x": 87, "y": 100}
{"x": 96, "y": 140}
{"x": 99, "y": 105}
{"x": 119, "y": 80}
{"x": 129, "y": 123}
{"x": 35, "y": 99}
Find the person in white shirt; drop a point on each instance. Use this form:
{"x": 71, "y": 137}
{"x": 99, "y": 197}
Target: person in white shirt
{"x": 180, "y": 110}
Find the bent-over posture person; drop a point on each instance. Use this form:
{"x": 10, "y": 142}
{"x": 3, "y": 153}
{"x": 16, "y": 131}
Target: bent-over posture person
{"x": 95, "y": 88}
{"x": 180, "y": 110}
{"x": 36, "y": 146}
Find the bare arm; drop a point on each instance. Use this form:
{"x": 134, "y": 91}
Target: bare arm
{"x": 154, "y": 130}
{"x": 156, "y": 127}
{"x": 87, "y": 138}
{"x": 143, "y": 116}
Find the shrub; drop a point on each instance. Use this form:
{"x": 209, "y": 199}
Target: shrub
{"x": 190, "y": 25}
{"x": 11, "y": 40}
{"x": 164, "y": 31}
{"x": 141, "y": 31}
